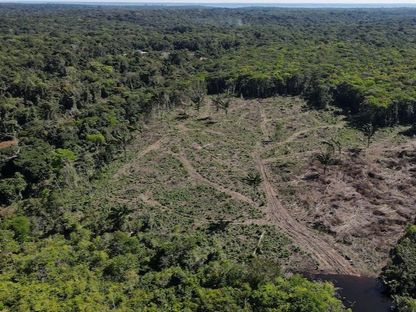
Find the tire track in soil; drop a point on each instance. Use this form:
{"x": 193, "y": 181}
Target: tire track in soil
{"x": 295, "y": 135}
{"x": 124, "y": 170}
{"x": 328, "y": 259}
{"x": 198, "y": 177}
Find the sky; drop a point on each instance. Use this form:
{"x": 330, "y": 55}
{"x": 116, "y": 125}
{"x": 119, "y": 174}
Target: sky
{"x": 277, "y": 1}
{"x": 287, "y": 2}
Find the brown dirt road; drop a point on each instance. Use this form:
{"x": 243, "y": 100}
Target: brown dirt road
{"x": 314, "y": 244}
{"x": 328, "y": 259}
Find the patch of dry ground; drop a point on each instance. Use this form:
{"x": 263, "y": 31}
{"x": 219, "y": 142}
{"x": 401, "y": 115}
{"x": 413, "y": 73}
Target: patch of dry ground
{"x": 361, "y": 204}
{"x": 328, "y": 258}
{"x": 365, "y": 201}
{"x": 9, "y": 143}
{"x": 192, "y": 171}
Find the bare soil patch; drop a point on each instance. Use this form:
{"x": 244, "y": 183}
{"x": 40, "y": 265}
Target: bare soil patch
{"x": 9, "y": 143}
{"x": 190, "y": 173}
{"x": 364, "y": 202}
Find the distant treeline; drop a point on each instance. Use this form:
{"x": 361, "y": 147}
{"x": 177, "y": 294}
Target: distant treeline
{"x": 77, "y": 81}
{"x": 345, "y": 96}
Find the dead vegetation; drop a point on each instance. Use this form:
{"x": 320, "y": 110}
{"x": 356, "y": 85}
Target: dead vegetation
{"x": 252, "y": 174}
{"x": 364, "y": 201}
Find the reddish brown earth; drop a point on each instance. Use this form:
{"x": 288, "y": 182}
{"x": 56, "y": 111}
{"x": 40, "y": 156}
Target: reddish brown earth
{"x": 365, "y": 201}
{"x": 9, "y": 143}
{"x": 319, "y": 248}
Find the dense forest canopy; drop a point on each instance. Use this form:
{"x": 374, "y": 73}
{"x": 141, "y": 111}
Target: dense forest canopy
{"x": 76, "y": 82}
{"x": 400, "y": 274}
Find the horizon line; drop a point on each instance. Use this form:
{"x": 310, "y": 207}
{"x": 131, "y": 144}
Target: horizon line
{"x": 208, "y": 2}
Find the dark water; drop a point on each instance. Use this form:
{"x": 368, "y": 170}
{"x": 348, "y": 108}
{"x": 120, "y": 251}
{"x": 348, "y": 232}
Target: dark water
{"x": 361, "y": 294}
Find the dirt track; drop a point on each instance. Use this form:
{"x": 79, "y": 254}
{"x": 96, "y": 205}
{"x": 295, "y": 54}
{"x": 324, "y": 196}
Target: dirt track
{"x": 344, "y": 218}
{"x": 295, "y": 135}
{"x": 196, "y": 176}
{"x": 152, "y": 147}
{"x": 328, "y": 259}
{"x": 221, "y": 154}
